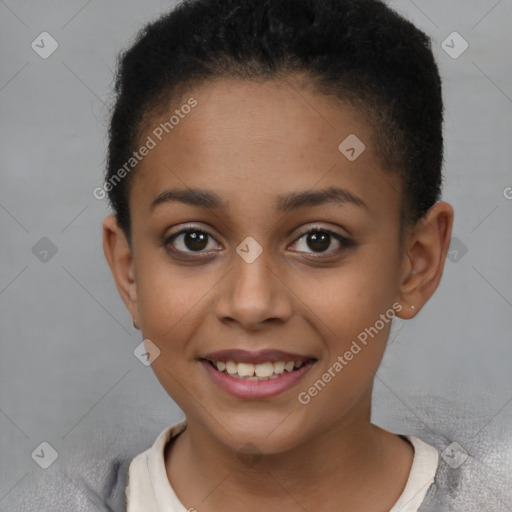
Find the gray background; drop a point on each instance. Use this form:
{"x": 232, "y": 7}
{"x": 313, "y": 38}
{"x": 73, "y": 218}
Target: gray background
{"x": 67, "y": 366}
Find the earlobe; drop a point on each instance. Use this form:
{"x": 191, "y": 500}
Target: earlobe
{"x": 426, "y": 249}
{"x": 119, "y": 257}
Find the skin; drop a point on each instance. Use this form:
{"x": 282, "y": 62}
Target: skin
{"x": 250, "y": 142}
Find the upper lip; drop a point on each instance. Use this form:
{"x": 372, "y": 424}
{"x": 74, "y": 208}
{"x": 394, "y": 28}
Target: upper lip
{"x": 255, "y": 357}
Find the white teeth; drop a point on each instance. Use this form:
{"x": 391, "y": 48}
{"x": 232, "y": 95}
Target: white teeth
{"x": 279, "y": 367}
{"x": 245, "y": 369}
{"x": 231, "y": 367}
{"x": 262, "y": 371}
{"x": 289, "y": 366}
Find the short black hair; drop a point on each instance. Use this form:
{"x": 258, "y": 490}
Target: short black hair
{"x": 361, "y": 51}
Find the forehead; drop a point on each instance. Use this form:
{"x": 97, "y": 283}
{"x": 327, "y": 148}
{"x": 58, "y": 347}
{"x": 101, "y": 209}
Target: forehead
{"x": 257, "y": 139}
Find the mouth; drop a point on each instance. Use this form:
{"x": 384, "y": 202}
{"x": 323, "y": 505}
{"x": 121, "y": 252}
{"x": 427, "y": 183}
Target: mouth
{"x": 256, "y": 374}
{"x": 267, "y": 370}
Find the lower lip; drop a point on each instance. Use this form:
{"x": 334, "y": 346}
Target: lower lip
{"x": 242, "y": 388}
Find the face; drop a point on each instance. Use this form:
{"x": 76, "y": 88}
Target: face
{"x": 284, "y": 260}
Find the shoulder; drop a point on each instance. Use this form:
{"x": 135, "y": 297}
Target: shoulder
{"x": 90, "y": 476}
{"x": 465, "y": 488}
{"x": 475, "y": 457}
{"x": 95, "y": 486}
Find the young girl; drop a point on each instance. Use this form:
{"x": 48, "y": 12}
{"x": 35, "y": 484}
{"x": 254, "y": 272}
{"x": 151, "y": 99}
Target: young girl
{"x": 275, "y": 168}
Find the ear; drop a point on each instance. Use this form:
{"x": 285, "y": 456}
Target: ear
{"x": 119, "y": 257}
{"x": 426, "y": 246}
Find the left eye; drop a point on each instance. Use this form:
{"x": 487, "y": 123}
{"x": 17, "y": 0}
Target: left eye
{"x": 320, "y": 239}
{"x": 195, "y": 240}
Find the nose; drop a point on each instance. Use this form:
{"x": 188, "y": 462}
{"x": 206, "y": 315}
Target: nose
{"x": 254, "y": 294}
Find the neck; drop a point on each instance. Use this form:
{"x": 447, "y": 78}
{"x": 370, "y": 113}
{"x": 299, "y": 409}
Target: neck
{"x": 352, "y": 464}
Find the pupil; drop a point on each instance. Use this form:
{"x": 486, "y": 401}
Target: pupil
{"x": 195, "y": 240}
{"x": 321, "y": 239}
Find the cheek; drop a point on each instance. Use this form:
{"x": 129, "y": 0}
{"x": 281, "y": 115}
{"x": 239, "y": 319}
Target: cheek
{"x": 166, "y": 295}
{"x": 346, "y": 305}
{"x": 351, "y": 297}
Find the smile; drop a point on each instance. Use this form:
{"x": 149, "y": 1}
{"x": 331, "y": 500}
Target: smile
{"x": 256, "y": 375}
{"x": 261, "y": 371}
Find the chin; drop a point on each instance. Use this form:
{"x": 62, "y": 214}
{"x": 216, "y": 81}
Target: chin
{"x": 265, "y": 434}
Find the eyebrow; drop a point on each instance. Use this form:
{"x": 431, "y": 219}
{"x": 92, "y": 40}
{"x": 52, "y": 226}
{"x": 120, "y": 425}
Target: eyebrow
{"x": 202, "y": 198}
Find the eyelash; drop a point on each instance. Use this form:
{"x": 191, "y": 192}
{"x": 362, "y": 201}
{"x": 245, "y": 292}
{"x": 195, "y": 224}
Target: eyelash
{"x": 345, "y": 243}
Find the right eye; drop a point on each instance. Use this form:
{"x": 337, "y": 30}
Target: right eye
{"x": 189, "y": 241}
